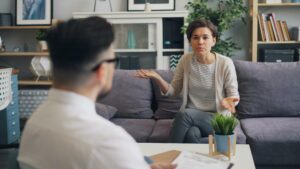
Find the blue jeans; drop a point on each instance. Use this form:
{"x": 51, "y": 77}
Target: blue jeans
{"x": 191, "y": 126}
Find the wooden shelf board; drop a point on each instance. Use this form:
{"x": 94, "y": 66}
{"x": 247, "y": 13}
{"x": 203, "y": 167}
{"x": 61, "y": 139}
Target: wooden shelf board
{"x": 24, "y": 54}
{"x": 24, "y": 27}
{"x": 278, "y": 4}
{"x": 35, "y": 83}
{"x": 279, "y": 42}
{"x": 173, "y": 50}
{"x": 135, "y": 50}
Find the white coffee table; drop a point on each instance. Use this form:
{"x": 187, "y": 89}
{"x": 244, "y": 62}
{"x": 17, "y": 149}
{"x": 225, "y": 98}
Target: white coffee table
{"x": 242, "y": 160}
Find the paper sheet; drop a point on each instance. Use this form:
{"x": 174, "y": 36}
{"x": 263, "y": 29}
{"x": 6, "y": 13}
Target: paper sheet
{"x": 191, "y": 160}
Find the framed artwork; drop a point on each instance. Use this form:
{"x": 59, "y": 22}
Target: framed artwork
{"x": 33, "y": 12}
{"x": 156, "y": 5}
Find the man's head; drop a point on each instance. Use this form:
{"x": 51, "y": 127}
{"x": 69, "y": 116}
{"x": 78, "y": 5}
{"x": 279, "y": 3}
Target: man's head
{"x": 81, "y": 53}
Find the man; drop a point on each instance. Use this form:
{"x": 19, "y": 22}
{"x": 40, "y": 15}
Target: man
{"x": 66, "y": 132}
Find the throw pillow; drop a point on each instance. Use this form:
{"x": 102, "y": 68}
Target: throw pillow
{"x": 268, "y": 89}
{"x": 167, "y": 107}
{"x": 132, "y": 96}
{"x": 105, "y": 111}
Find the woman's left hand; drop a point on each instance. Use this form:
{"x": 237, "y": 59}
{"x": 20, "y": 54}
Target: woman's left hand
{"x": 229, "y": 103}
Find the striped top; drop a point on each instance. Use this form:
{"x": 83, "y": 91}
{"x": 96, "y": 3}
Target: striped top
{"x": 202, "y": 83}
{"x": 225, "y": 81}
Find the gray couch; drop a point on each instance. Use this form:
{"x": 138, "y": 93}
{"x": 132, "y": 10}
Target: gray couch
{"x": 269, "y": 110}
{"x": 140, "y": 108}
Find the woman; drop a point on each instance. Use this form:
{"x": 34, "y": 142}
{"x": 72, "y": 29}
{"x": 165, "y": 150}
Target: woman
{"x": 207, "y": 81}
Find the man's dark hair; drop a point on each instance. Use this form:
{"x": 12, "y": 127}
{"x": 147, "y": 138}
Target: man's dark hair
{"x": 201, "y": 23}
{"x": 76, "y": 46}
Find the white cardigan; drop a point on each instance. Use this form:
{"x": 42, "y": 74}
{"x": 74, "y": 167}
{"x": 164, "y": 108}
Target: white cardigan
{"x": 225, "y": 80}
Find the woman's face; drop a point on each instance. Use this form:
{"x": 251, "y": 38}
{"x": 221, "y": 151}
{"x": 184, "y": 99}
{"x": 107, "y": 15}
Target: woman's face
{"x": 202, "y": 41}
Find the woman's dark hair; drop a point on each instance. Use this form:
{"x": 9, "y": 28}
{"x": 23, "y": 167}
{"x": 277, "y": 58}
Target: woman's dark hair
{"x": 201, "y": 23}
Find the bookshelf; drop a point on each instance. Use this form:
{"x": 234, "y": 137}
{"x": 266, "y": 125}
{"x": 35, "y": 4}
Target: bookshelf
{"x": 35, "y": 83}
{"x": 256, "y": 8}
{"x": 30, "y": 54}
{"x": 16, "y": 36}
{"x": 23, "y": 27}
{"x": 156, "y": 36}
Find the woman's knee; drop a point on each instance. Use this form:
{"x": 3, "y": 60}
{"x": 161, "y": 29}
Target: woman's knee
{"x": 193, "y": 135}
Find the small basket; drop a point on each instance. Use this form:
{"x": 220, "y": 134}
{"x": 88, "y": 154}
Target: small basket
{"x": 5, "y": 87}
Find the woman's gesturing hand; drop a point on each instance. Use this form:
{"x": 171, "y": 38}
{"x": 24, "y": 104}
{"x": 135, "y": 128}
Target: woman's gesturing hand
{"x": 147, "y": 74}
{"x": 229, "y": 103}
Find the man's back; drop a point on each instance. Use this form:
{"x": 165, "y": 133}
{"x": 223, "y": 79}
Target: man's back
{"x": 66, "y": 132}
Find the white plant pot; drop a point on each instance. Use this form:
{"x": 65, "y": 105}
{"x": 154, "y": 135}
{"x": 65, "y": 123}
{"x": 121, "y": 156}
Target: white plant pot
{"x": 42, "y": 46}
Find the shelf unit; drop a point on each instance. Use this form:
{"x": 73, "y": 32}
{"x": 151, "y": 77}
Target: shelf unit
{"x": 150, "y": 32}
{"x": 278, "y": 4}
{"x": 35, "y": 83}
{"x": 18, "y": 55}
{"x": 30, "y": 54}
{"x": 23, "y": 27}
{"x": 254, "y": 12}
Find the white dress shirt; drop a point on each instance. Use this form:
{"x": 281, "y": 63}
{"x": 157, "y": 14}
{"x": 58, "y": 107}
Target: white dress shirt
{"x": 65, "y": 132}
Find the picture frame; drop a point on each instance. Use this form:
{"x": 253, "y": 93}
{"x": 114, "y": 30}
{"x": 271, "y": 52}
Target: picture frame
{"x": 156, "y": 5}
{"x": 34, "y": 12}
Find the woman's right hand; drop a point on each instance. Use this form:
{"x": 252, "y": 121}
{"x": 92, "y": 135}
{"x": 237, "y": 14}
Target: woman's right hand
{"x": 151, "y": 74}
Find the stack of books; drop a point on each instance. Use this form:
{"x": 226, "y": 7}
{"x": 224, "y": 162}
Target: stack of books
{"x": 272, "y": 29}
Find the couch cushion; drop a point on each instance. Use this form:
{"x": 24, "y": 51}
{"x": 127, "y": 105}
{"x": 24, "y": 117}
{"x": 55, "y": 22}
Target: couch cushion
{"x": 273, "y": 141}
{"x": 167, "y": 107}
{"x": 105, "y": 111}
{"x": 161, "y": 131}
{"x": 139, "y": 129}
{"x": 268, "y": 89}
{"x": 240, "y": 136}
{"x": 130, "y": 95}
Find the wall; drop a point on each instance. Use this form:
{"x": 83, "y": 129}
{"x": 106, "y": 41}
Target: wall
{"x": 63, "y": 10}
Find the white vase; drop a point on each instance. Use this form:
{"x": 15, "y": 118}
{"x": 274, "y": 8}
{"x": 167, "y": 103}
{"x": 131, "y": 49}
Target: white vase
{"x": 40, "y": 67}
{"x": 147, "y": 7}
{"x": 42, "y": 46}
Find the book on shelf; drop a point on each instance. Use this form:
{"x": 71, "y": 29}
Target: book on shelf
{"x": 270, "y": 1}
{"x": 280, "y": 33}
{"x": 261, "y": 28}
{"x": 270, "y": 17}
{"x": 271, "y": 29}
{"x": 283, "y": 31}
{"x": 265, "y": 27}
{"x": 286, "y": 30}
{"x": 275, "y": 27}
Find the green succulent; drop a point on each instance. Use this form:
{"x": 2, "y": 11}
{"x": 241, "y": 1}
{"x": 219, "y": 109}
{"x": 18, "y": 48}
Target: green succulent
{"x": 41, "y": 34}
{"x": 224, "y": 125}
{"x": 223, "y": 16}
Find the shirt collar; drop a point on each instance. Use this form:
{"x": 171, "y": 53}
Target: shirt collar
{"x": 71, "y": 98}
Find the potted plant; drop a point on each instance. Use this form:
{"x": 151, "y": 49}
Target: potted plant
{"x": 223, "y": 127}
{"x": 224, "y": 15}
{"x": 41, "y": 37}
